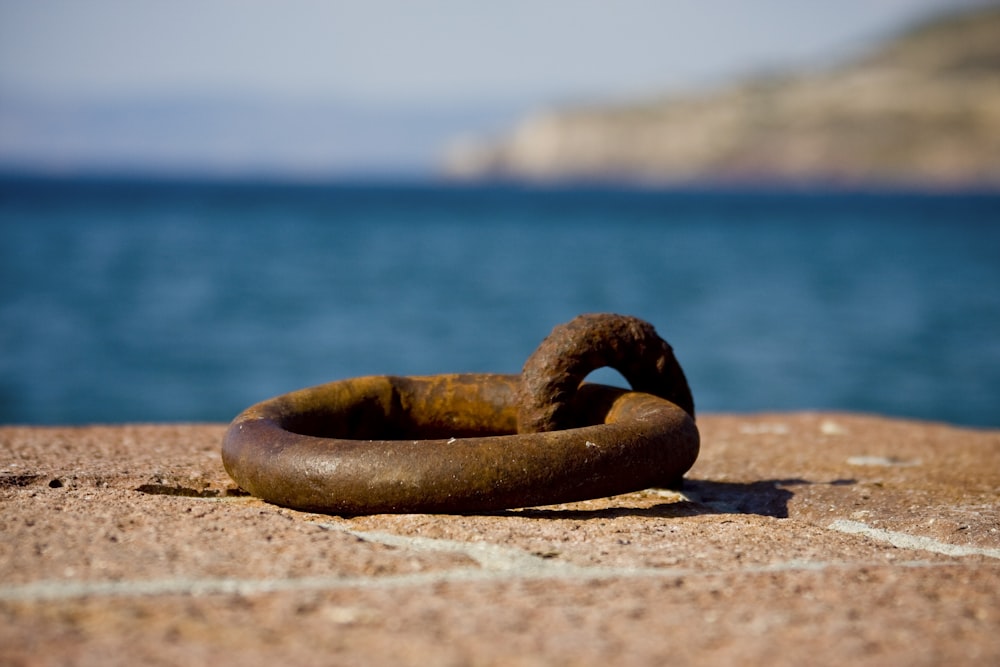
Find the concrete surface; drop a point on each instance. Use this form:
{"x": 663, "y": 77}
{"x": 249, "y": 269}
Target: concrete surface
{"x": 797, "y": 539}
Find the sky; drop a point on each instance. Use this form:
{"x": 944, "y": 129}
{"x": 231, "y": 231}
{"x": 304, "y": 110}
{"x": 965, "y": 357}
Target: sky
{"x": 418, "y": 57}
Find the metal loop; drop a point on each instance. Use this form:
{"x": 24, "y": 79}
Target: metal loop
{"x": 448, "y": 443}
{"x": 553, "y": 373}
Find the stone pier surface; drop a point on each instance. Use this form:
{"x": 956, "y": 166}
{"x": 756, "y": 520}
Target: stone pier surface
{"x": 802, "y": 538}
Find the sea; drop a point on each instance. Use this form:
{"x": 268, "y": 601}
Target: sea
{"x": 129, "y": 300}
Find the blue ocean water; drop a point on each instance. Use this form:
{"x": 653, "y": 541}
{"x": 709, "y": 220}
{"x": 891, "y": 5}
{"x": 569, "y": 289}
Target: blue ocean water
{"x": 143, "y": 301}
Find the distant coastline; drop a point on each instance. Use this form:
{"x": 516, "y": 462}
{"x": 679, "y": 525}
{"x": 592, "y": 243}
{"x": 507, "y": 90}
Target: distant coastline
{"x": 920, "y": 112}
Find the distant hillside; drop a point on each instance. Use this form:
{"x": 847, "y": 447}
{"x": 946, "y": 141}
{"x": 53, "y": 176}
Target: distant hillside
{"x": 922, "y": 110}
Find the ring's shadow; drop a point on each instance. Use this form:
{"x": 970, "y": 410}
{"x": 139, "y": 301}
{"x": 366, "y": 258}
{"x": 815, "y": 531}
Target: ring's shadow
{"x": 765, "y": 498}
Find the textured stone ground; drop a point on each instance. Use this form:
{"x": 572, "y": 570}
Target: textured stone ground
{"x": 797, "y": 539}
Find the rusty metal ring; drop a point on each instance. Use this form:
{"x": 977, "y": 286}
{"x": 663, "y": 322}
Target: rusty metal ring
{"x": 448, "y": 443}
{"x": 553, "y": 373}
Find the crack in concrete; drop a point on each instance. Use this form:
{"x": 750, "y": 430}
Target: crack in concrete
{"x": 49, "y": 591}
{"x": 907, "y": 541}
{"x": 494, "y": 563}
{"x": 488, "y": 555}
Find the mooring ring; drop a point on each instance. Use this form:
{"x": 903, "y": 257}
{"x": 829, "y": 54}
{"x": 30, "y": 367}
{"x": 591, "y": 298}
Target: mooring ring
{"x": 449, "y": 444}
{"x": 554, "y": 371}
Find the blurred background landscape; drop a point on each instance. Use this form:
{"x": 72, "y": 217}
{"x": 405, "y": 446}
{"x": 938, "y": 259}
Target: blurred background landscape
{"x": 919, "y": 109}
{"x": 898, "y": 91}
{"x": 204, "y": 204}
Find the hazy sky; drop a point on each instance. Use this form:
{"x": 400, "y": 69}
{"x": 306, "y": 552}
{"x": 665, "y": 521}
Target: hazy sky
{"x": 320, "y": 87}
{"x": 419, "y": 52}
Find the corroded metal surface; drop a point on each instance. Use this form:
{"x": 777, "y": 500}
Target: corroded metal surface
{"x": 447, "y": 443}
{"x": 474, "y": 443}
{"x": 629, "y": 345}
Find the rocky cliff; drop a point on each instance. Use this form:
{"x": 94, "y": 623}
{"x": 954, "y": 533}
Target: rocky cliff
{"x": 923, "y": 109}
